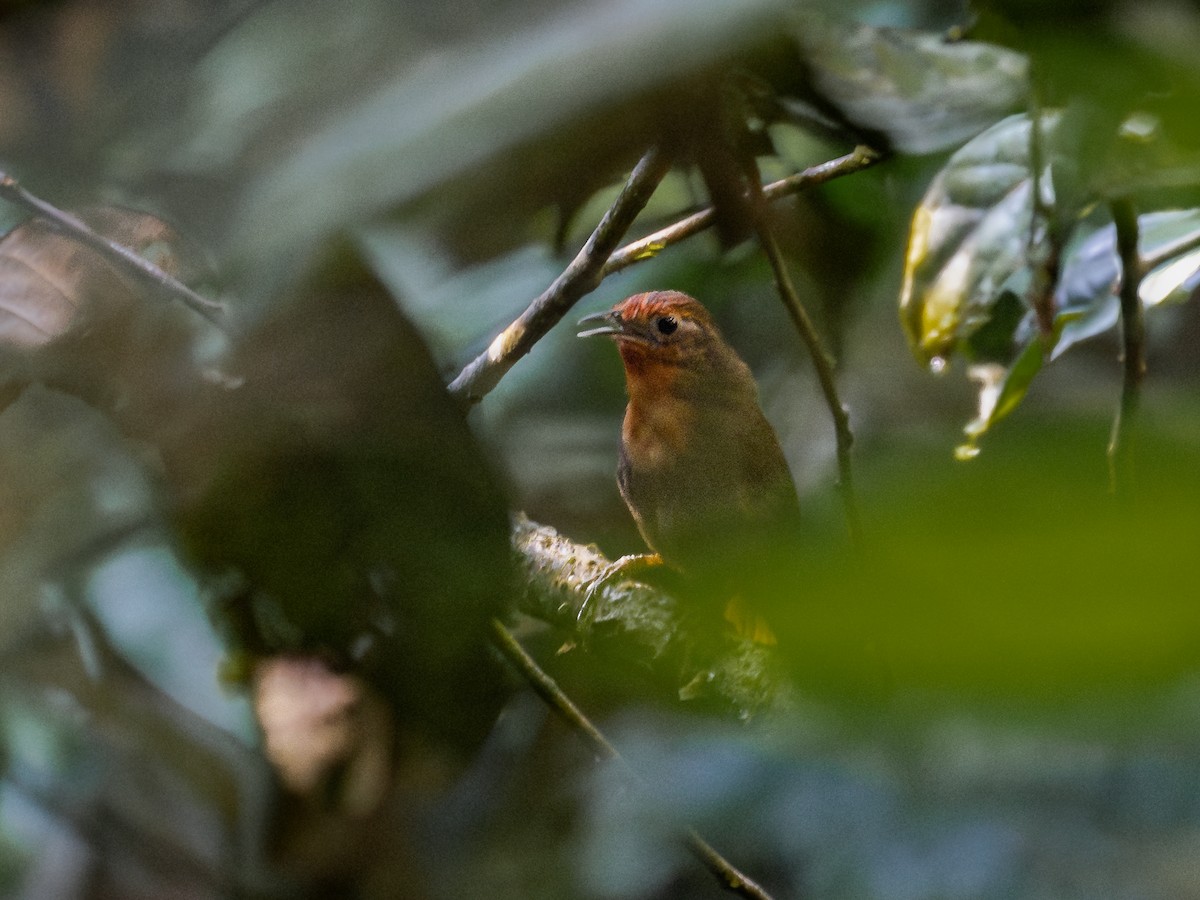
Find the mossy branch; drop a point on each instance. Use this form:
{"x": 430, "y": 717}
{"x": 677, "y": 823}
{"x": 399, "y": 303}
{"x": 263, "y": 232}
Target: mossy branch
{"x": 630, "y": 620}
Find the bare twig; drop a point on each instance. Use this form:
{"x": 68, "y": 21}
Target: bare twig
{"x": 140, "y": 267}
{"x": 579, "y": 278}
{"x": 725, "y": 872}
{"x": 824, "y": 365}
{"x": 863, "y": 157}
{"x": 594, "y": 263}
{"x": 1133, "y": 341}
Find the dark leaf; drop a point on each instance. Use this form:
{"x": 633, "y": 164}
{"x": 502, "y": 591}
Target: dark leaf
{"x": 336, "y": 478}
{"x": 921, "y": 91}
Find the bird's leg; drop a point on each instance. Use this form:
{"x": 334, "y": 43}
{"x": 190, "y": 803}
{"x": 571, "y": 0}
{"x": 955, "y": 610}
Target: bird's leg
{"x": 626, "y": 567}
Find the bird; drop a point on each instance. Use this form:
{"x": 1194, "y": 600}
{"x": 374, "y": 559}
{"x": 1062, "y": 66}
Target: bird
{"x": 700, "y": 467}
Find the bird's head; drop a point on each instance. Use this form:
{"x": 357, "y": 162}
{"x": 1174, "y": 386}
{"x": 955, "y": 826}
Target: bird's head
{"x": 664, "y": 336}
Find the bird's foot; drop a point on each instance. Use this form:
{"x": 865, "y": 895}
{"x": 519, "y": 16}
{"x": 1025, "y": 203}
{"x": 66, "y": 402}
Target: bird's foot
{"x": 749, "y": 624}
{"x": 627, "y": 567}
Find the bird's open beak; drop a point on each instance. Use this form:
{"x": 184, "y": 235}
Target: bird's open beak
{"x": 608, "y": 322}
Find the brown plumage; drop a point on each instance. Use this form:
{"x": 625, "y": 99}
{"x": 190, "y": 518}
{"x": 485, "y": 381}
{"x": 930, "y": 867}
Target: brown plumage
{"x": 700, "y": 468}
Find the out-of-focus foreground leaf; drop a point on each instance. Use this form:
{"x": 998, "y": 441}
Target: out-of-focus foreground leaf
{"x": 505, "y": 115}
{"x": 449, "y": 107}
{"x": 138, "y": 797}
{"x": 337, "y": 479}
{"x": 922, "y": 92}
{"x": 329, "y": 491}
{"x": 1011, "y": 580}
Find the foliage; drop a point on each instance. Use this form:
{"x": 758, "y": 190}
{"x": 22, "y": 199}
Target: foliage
{"x": 249, "y": 567}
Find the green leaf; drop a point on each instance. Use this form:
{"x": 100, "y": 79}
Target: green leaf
{"x": 970, "y": 237}
{"x": 1001, "y": 389}
{"x": 1087, "y": 290}
{"x": 924, "y": 93}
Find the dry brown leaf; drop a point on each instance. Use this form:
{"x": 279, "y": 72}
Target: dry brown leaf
{"x": 328, "y": 735}
{"x": 50, "y": 283}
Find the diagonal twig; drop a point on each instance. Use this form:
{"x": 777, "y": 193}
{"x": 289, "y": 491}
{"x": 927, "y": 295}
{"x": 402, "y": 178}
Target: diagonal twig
{"x": 547, "y": 688}
{"x": 824, "y": 365}
{"x": 1133, "y": 342}
{"x": 862, "y": 157}
{"x": 131, "y": 262}
{"x": 579, "y": 278}
{"x": 481, "y": 374}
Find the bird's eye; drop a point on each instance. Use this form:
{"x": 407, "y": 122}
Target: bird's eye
{"x": 666, "y": 324}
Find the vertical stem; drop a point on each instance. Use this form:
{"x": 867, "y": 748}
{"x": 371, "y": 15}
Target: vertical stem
{"x": 824, "y": 365}
{"x": 1122, "y": 443}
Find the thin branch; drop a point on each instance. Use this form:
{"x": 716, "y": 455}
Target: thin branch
{"x": 597, "y": 260}
{"x": 579, "y": 278}
{"x": 1133, "y": 341}
{"x": 138, "y": 266}
{"x": 547, "y": 688}
{"x": 824, "y": 365}
{"x": 863, "y": 157}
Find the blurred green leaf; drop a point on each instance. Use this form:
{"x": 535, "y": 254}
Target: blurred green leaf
{"x": 923, "y": 92}
{"x": 1013, "y": 579}
{"x": 451, "y": 111}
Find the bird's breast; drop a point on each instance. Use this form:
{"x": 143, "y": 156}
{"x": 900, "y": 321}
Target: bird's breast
{"x": 705, "y": 479}
{"x": 672, "y": 457}
{"x": 656, "y": 434}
